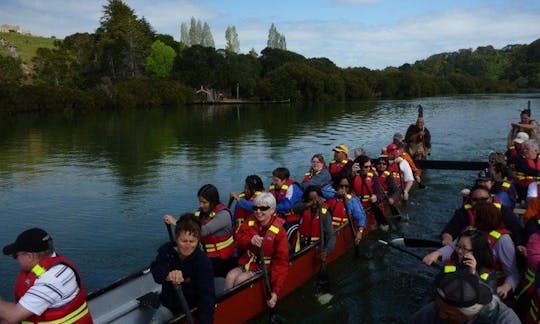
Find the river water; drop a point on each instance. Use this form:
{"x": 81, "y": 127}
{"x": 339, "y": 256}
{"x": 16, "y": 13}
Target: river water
{"x": 100, "y": 183}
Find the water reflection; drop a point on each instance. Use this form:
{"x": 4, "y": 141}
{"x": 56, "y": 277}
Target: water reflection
{"x": 100, "y": 182}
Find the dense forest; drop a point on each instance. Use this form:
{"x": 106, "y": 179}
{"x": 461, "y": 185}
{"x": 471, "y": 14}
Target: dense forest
{"x": 126, "y": 64}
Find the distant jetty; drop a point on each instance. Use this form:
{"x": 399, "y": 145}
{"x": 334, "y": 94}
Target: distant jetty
{"x": 242, "y": 102}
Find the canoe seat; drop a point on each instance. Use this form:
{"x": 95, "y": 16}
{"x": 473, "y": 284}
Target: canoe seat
{"x": 150, "y": 300}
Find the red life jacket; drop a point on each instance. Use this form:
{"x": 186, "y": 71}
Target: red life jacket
{"x": 216, "y": 246}
{"x": 336, "y": 167}
{"x": 493, "y": 237}
{"x": 523, "y": 179}
{"x": 241, "y": 214}
{"x": 279, "y": 194}
{"x": 310, "y": 223}
{"x": 472, "y": 219}
{"x": 338, "y": 210}
{"x": 396, "y": 173}
{"x": 76, "y": 311}
{"x": 383, "y": 178}
{"x": 248, "y": 260}
{"x": 363, "y": 188}
{"x": 528, "y": 287}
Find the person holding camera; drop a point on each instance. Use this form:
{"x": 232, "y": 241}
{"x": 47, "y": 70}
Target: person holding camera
{"x": 470, "y": 252}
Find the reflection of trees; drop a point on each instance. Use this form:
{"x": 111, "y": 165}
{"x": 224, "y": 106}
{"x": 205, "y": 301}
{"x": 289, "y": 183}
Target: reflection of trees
{"x": 136, "y": 142}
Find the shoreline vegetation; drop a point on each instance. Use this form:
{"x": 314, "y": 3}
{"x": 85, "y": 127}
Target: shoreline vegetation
{"x": 119, "y": 68}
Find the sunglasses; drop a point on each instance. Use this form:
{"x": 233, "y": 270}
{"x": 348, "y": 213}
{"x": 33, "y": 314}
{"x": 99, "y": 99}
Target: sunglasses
{"x": 367, "y": 166}
{"x": 261, "y": 208}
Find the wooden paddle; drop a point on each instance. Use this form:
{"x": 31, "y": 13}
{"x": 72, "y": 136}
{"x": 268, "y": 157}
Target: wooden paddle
{"x": 178, "y": 287}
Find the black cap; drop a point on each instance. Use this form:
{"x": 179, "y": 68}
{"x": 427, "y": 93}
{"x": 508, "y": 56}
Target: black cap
{"x": 463, "y": 289}
{"x": 484, "y": 175}
{"x": 32, "y": 240}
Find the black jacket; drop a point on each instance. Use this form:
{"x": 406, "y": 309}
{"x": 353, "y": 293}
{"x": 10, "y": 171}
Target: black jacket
{"x": 198, "y": 286}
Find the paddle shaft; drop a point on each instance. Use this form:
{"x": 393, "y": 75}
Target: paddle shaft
{"x": 417, "y": 256}
{"x": 414, "y": 242}
{"x": 178, "y": 287}
{"x": 351, "y": 226}
{"x": 322, "y": 271}
{"x": 266, "y": 276}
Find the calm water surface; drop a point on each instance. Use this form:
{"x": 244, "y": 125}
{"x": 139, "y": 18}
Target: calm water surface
{"x": 101, "y": 182}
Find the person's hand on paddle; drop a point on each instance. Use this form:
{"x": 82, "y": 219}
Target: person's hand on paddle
{"x": 175, "y": 276}
{"x": 522, "y": 249}
{"x": 431, "y": 258}
{"x": 272, "y": 301}
{"x": 405, "y": 195}
{"x": 169, "y": 219}
{"x": 504, "y": 289}
{"x": 323, "y": 255}
{"x": 373, "y": 198}
{"x": 257, "y": 240}
{"x": 358, "y": 236}
{"x": 235, "y": 195}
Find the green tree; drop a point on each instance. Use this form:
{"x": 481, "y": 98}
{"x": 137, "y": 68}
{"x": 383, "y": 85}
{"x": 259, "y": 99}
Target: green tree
{"x": 160, "y": 61}
{"x": 124, "y": 41}
{"x": 10, "y": 71}
{"x": 231, "y": 37}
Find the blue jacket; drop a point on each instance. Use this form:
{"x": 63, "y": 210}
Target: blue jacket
{"x": 198, "y": 286}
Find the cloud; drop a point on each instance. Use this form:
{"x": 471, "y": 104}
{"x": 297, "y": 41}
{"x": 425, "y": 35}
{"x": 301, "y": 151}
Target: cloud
{"x": 408, "y": 40}
{"x": 167, "y": 16}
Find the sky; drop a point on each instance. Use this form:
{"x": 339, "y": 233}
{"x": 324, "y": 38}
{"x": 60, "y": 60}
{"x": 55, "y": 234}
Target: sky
{"x": 351, "y": 33}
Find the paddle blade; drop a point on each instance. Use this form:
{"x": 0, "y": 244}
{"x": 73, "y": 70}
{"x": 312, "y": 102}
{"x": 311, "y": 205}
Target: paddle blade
{"x": 413, "y": 242}
{"x": 323, "y": 281}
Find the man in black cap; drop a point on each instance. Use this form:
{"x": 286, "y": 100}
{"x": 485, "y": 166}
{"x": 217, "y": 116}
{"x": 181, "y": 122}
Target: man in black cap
{"x": 48, "y": 287}
{"x": 462, "y": 297}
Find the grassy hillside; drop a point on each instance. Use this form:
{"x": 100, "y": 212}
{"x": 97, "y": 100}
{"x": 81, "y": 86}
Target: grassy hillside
{"x": 27, "y": 45}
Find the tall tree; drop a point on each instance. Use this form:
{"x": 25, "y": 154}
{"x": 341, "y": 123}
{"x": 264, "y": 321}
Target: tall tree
{"x": 275, "y": 39}
{"x": 184, "y": 34}
{"x": 207, "y": 39}
{"x": 125, "y": 40}
{"x": 231, "y": 36}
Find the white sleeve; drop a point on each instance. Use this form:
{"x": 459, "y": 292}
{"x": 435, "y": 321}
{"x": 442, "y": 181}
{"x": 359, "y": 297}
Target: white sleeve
{"x": 406, "y": 171}
{"x": 55, "y": 288}
{"x": 532, "y": 190}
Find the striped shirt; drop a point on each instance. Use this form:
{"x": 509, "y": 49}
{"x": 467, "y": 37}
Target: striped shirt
{"x": 55, "y": 288}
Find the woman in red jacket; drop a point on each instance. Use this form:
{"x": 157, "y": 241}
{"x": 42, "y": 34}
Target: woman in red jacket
{"x": 265, "y": 229}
